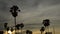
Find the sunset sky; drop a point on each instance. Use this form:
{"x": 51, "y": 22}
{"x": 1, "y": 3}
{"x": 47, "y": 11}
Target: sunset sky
{"x": 33, "y": 12}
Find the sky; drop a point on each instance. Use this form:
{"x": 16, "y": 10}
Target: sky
{"x": 33, "y": 12}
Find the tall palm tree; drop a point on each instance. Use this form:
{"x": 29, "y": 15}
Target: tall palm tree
{"x": 5, "y": 25}
{"x": 14, "y": 13}
{"x": 42, "y": 29}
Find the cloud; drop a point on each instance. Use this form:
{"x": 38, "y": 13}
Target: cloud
{"x": 32, "y": 11}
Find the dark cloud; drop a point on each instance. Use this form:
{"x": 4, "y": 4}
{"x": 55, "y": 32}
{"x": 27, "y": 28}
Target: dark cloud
{"x": 31, "y": 10}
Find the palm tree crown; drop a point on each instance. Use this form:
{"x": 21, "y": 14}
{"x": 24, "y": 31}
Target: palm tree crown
{"x": 46, "y": 22}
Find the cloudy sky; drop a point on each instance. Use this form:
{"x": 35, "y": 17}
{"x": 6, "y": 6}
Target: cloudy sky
{"x": 33, "y": 12}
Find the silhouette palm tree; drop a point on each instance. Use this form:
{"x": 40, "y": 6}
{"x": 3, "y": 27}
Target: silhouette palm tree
{"x": 17, "y": 26}
{"x": 14, "y": 13}
{"x": 28, "y": 32}
{"x": 42, "y": 29}
{"x": 11, "y": 29}
{"x": 14, "y": 10}
{"x": 46, "y": 22}
{"x": 21, "y": 25}
{"x": 7, "y": 28}
{"x": 5, "y": 25}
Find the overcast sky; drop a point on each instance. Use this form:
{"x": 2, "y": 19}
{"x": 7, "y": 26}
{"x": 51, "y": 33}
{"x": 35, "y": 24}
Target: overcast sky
{"x": 32, "y": 11}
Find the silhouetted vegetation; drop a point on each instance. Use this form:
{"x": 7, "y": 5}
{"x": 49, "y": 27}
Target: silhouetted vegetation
{"x": 14, "y": 11}
{"x": 48, "y": 33}
{"x": 46, "y": 22}
{"x": 28, "y": 32}
{"x": 8, "y": 28}
{"x": 12, "y": 29}
{"x": 17, "y": 26}
{"x": 42, "y": 29}
{"x": 21, "y": 25}
{"x": 5, "y": 25}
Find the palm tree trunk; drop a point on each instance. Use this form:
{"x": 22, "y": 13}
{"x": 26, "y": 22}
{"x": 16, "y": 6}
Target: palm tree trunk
{"x": 53, "y": 29}
{"x": 15, "y": 23}
{"x": 21, "y": 30}
{"x": 47, "y": 28}
{"x": 41, "y": 32}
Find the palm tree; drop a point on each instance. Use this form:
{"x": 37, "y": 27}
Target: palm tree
{"x": 17, "y": 26}
{"x": 5, "y": 25}
{"x": 28, "y": 32}
{"x": 42, "y": 29}
{"x": 8, "y": 28}
{"x": 46, "y": 23}
{"x": 14, "y": 13}
{"x": 11, "y": 29}
{"x": 21, "y": 25}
